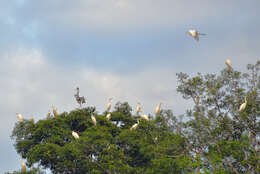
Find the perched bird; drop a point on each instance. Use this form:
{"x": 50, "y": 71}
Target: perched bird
{"x": 143, "y": 116}
{"x": 108, "y": 116}
{"x": 23, "y": 166}
{"x": 109, "y": 104}
{"x": 32, "y": 119}
{"x": 55, "y": 111}
{"x": 138, "y": 108}
{"x": 243, "y": 106}
{"x": 79, "y": 99}
{"x": 93, "y": 118}
{"x": 75, "y": 135}
{"x": 134, "y": 126}
{"x": 158, "y": 108}
{"x": 48, "y": 114}
{"x": 197, "y": 99}
{"x": 195, "y": 34}
{"x": 19, "y": 116}
{"x": 228, "y": 63}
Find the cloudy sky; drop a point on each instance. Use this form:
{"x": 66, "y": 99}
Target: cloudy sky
{"x": 128, "y": 49}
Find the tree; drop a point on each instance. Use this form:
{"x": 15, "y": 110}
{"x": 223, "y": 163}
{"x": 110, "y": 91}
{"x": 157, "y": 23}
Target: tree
{"x": 109, "y": 147}
{"x": 222, "y": 139}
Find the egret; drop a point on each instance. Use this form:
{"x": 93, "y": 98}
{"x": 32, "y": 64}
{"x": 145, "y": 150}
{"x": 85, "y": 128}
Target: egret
{"x": 243, "y": 106}
{"x": 135, "y": 125}
{"x": 93, "y": 118}
{"x": 195, "y": 34}
{"x": 75, "y": 135}
{"x": 228, "y": 63}
{"x": 19, "y": 116}
{"x": 158, "y": 108}
{"x": 143, "y": 116}
{"x": 108, "y": 116}
{"x": 138, "y": 108}
{"x": 109, "y": 104}
{"x": 49, "y": 114}
{"x": 55, "y": 111}
{"x": 32, "y": 119}
{"x": 23, "y": 166}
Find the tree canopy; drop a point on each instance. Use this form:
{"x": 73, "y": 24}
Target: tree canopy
{"x": 214, "y": 136}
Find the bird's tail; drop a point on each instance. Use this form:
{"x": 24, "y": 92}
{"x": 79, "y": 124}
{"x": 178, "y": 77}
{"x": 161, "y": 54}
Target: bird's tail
{"x": 202, "y": 34}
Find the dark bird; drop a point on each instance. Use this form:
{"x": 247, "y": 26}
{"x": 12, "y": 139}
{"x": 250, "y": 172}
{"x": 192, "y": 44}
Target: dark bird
{"x": 79, "y": 99}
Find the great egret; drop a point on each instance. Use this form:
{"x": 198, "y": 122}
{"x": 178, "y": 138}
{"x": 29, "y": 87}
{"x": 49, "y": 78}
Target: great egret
{"x": 19, "y": 116}
{"x": 109, "y": 104}
{"x": 55, "y": 111}
{"x": 138, "y": 108}
{"x": 23, "y": 166}
{"x": 48, "y": 114}
{"x": 158, "y": 108}
{"x": 134, "y": 126}
{"x": 143, "y": 116}
{"x": 79, "y": 99}
{"x": 108, "y": 116}
{"x": 195, "y": 34}
{"x": 228, "y": 63}
{"x": 243, "y": 106}
{"x": 93, "y": 118}
{"x": 75, "y": 135}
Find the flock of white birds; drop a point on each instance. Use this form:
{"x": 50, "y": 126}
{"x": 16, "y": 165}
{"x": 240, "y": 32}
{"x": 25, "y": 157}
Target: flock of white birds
{"x": 195, "y": 34}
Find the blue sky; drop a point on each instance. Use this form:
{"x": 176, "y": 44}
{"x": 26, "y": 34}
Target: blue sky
{"x": 128, "y": 49}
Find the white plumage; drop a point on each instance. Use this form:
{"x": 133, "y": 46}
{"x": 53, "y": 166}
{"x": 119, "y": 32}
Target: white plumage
{"x": 55, "y": 111}
{"x": 108, "y": 116}
{"x": 109, "y": 104}
{"x": 19, "y": 116}
{"x": 143, "y": 116}
{"x": 93, "y": 118}
{"x": 48, "y": 114}
{"x": 158, "y": 108}
{"x": 243, "y": 106}
{"x": 75, "y": 135}
{"x": 228, "y": 63}
{"x": 138, "y": 108}
{"x": 195, "y": 34}
{"x": 134, "y": 126}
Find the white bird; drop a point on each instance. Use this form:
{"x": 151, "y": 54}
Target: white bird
{"x": 195, "y": 34}
{"x": 243, "y": 106}
{"x": 75, "y": 135}
{"x": 135, "y": 125}
{"x": 228, "y": 63}
{"x": 138, "y": 108}
{"x": 55, "y": 111}
{"x": 32, "y": 119}
{"x": 158, "y": 108}
{"x": 48, "y": 114}
{"x": 23, "y": 166}
{"x": 108, "y": 116}
{"x": 94, "y": 120}
{"x": 109, "y": 104}
{"x": 19, "y": 116}
{"x": 144, "y": 116}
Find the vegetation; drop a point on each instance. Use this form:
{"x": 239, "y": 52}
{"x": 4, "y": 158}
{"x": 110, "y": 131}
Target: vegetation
{"x": 214, "y": 136}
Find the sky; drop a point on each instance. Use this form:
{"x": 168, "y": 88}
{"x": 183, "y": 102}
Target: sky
{"x": 130, "y": 50}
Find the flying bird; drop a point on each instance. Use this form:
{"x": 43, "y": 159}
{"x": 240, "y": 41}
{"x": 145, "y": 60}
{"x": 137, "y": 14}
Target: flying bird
{"x": 195, "y": 34}
{"x": 23, "y": 166}
{"x": 79, "y": 99}
{"x": 108, "y": 116}
{"x": 243, "y": 106}
{"x": 134, "y": 126}
{"x": 228, "y": 63}
{"x": 138, "y": 108}
{"x": 93, "y": 118}
{"x": 19, "y": 116}
{"x": 75, "y": 135}
{"x": 55, "y": 111}
{"x": 158, "y": 108}
{"x": 109, "y": 104}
